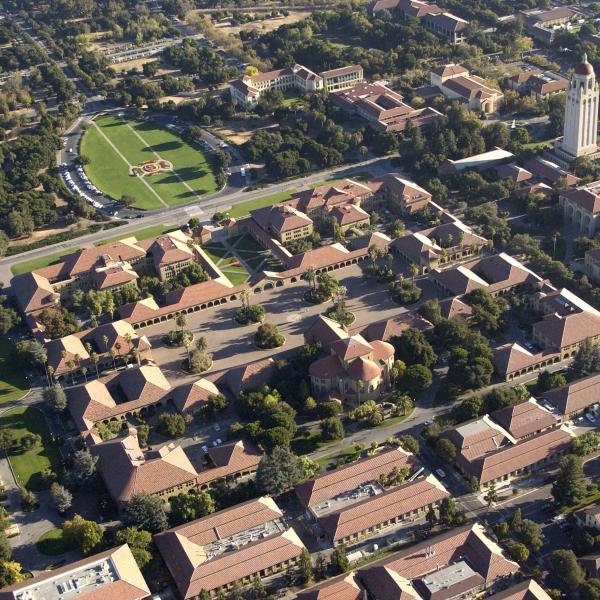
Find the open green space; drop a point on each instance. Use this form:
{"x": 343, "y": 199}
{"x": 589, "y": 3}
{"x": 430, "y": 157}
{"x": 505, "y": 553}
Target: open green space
{"x": 244, "y": 208}
{"x": 37, "y": 263}
{"x": 248, "y": 244}
{"x": 113, "y": 144}
{"x": 215, "y": 251}
{"x": 28, "y": 466}
{"x": 358, "y": 176}
{"x": 52, "y": 543}
{"x": 13, "y": 384}
{"x": 345, "y": 455}
{"x": 307, "y": 442}
{"x": 140, "y": 234}
{"x": 236, "y": 274}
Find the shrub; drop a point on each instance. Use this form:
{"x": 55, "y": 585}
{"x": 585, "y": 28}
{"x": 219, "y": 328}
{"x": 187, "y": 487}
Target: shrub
{"x": 198, "y": 362}
{"x": 171, "y": 424}
{"x": 405, "y": 292}
{"x": 176, "y": 338}
{"x": 268, "y": 336}
{"x": 249, "y": 314}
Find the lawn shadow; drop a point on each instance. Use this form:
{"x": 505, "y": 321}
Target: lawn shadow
{"x": 164, "y": 147}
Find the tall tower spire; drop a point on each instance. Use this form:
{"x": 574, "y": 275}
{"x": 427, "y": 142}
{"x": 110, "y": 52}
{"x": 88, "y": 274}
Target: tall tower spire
{"x": 581, "y": 113}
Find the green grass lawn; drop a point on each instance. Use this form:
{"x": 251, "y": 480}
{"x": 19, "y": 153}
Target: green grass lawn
{"x": 52, "y": 543}
{"x": 236, "y": 275}
{"x": 13, "y": 384}
{"x": 308, "y": 442}
{"x": 215, "y": 251}
{"x": 140, "y": 234}
{"x": 28, "y": 466}
{"x": 37, "y": 263}
{"x": 358, "y": 176}
{"x": 109, "y": 172}
{"x": 244, "y": 208}
{"x": 248, "y": 244}
{"x": 347, "y": 454}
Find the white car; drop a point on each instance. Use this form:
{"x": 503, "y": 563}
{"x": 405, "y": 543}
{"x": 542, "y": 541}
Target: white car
{"x": 441, "y": 473}
{"x": 217, "y": 427}
{"x": 590, "y": 418}
{"x": 205, "y": 449}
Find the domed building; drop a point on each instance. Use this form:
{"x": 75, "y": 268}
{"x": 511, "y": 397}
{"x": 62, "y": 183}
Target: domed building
{"x": 355, "y": 370}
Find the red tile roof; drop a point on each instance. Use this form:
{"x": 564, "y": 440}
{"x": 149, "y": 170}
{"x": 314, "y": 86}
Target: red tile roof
{"x": 344, "y": 479}
{"x": 576, "y": 396}
{"x": 524, "y": 419}
{"x": 378, "y": 509}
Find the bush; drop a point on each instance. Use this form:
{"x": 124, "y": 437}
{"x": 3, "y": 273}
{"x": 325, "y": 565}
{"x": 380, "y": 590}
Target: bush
{"x": 345, "y": 318}
{"x": 249, "y": 314}
{"x": 171, "y": 424}
{"x": 405, "y": 292}
{"x": 332, "y": 429}
{"x": 198, "y": 362}
{"x": 176, "y": 338}
{"x": 268, "y": 337}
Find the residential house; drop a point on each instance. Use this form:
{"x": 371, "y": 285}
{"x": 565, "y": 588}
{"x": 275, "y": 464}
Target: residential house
{"x": 455, "y": 83}
{"x": 127, "y": 470}
{"x": 355, "y": 369}
{"x": 589, "y": 516}
{"x": 581, "y": 206}
{"x": 247, "y": 90}
{"x": 283, "y": 222}
{"x": 232, "y": 461}
{"x": 457, "y": 563}
{"x": 592, "y": 264}
{"x": 373, "y": 508}
{"x": 111, "y": 574}
{"x": 230, "y": 546}
{"x": 382, "y": 108}
{"x": 575, "y": 397}
{"x": 439, "y": 247}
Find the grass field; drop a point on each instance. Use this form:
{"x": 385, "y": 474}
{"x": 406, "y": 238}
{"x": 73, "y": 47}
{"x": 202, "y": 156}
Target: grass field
{"x": 113, "y": 145}
{"x": 140, "y": 234}
{"x": 244, "y": 208}
{"x": 13, "y": 384}
{"x": 28, "y": 466}
{"x": 52, "y": 543}
{"x": 37, "y": 263}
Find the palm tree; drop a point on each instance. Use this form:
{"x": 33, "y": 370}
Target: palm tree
{"x": 118, "y": 348}
{"x": 245, "y": 298}
{"x": 105, "y": 342}
{"x": 112, "y": 354}
{"x": 84, "y": 371}
{"x": 71, "y": 366}
{"x": 340, "y": 293}
{"x": 136, "y": 354}
{"x": 311, "y": 276}
{"x": 413, "y": 270}
{"x": 181, "y": 321}
{"x": 129, "y": 340}
{"x": 95, "y": 358}
{"x": 44, "y": 360}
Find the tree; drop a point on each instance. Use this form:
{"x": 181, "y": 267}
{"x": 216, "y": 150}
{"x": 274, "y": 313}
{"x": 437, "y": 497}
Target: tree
{"x": 58, "y": 322}
{"x": 85, "y": 535}
{"x": 7, "y": 439}
{"x": 10, "y": 573}
{"x": 189, "y": 506}
{"x": 278, "y": 471}
{"x": 305, "y": 566}
{"x": 565, "y": 566}
{"x": 431, "y": 516}
{"x": 61, "y": 497}
{"x": 492, "y": 495}
{"x": 417, "y": 378}
{"x": 530, "y": 533}
{"x": 171, "y": 425}
{"x": 31, "y": 353}
{"x": 29, "y": 500}
{"x": 413, "y": 348}
{"x": 446, "y": 450}
{"x": 30, "y": 441}
{"x": 447, "y": 510}
{"x": 586, "y": 444}
{"x": 216, "y": 403}
{"x": 518, "y": 552}
{"x": 146, "y": 512}
{"x": 339, "y": 560}
{"x": 268, "y": 336}
{"x": 139, "y": 542}
{"x": 332, "y": 429}
{"x": 569, "y": 486}
{"x": 590, "y": 590}
{"x": 83, "y": 467}
{"x": 587, "y": 359}
{"x": 410, "y": 444}
{"x": 56, "y": 397}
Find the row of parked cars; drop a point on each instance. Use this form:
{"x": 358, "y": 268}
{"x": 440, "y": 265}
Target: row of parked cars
{"x": 76, "y": 189}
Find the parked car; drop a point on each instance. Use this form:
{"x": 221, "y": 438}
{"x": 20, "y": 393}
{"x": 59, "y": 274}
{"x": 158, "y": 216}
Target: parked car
{"x": 441, "y": 473}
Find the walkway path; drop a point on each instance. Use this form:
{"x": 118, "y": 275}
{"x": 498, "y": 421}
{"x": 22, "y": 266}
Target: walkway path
{"x": 129, "y": 164}
{"x": 159, "y": 157}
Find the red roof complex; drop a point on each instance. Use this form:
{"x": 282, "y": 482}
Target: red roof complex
{"x": 524, "y": 419}
{"x": 575, "y": 397}
{"x": 109, "y": 575}
{"x": 227, "y": 546}
{"x": 344, "y": 479}
{"x": 458, "y": 561}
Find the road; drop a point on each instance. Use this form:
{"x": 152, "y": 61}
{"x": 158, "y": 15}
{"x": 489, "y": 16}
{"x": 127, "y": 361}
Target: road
{"x": 181, "y": 214}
